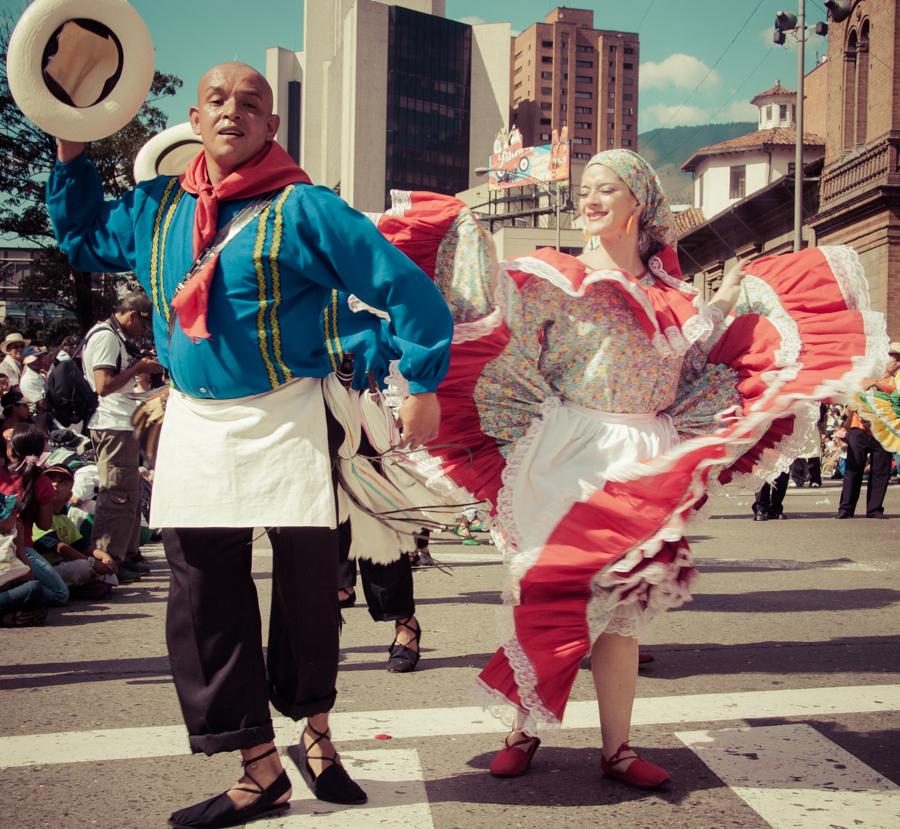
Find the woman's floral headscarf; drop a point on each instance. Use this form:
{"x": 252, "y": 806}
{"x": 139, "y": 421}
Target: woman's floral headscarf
{"x": 641, "y": 178}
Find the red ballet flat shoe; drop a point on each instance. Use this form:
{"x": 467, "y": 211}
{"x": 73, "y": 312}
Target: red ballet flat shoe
{"x": 640, "y": 774}
{"x": 511, "y": 761}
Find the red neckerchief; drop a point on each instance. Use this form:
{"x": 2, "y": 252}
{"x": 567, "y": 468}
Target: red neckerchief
{"x": 270, "y": 170}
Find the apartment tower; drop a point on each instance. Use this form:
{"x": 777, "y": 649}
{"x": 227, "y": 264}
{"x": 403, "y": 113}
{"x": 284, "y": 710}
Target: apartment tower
{"x": 564, "y": 72}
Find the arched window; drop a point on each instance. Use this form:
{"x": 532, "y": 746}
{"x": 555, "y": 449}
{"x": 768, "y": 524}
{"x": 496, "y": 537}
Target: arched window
{"x": 862, "y": 83}
{"x": 849, "y": 114}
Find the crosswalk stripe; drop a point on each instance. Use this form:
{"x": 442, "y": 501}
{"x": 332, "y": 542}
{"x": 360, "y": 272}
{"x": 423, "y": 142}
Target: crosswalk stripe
{"x": 165, "y": 740}
{"x": 394, "y": 782}
{"x": 795, "y": 778}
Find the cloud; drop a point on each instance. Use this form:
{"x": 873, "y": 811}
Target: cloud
{"x": 472, "y": 20}
{"x": 739, "y": 111}
{"x": 679, "y": 71}
{"x": 658, "y": 115}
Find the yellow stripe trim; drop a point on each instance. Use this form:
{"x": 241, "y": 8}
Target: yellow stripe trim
{"x": 326, "y": 321}
{"x": 278, "y": 225}
{"x": 261, "y": 332}
{"x": 155, "y": 249}
{"x": 334, "y": 319}
{"x": 170, "y": 213}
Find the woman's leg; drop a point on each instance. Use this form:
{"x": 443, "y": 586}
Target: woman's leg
{"x": 614, "y": 662}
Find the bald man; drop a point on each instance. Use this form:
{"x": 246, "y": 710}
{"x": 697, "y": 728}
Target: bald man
{"x": 249, "y": 332}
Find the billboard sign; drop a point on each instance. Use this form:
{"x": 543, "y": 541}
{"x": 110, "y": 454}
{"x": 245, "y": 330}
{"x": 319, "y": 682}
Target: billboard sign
{"x": 512, "y": 165}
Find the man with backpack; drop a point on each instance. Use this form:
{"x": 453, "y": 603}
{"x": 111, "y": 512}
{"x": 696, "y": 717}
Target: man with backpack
{"x": 106, "y": 359}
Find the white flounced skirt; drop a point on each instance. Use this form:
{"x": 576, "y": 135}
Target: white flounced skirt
{"x": 259, "y": 461}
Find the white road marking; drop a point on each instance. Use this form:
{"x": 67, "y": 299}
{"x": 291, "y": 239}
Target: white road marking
{"x": 166, "y": 740}
{"x": 795, "y": 778}
{"x": 393, "y": 780}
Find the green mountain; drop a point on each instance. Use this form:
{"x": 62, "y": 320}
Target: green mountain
{"x": 667, "y": 149}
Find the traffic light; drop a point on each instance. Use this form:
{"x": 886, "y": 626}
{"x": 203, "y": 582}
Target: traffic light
{"x": 785, "y": 21}
{"x": 839, "y": 9}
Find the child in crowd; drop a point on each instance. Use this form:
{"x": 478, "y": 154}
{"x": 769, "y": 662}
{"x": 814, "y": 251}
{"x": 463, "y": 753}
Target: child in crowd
{"x": 21, "y": 595}
{"x": 21, "y": 475}
{"x": 89, "y": 572}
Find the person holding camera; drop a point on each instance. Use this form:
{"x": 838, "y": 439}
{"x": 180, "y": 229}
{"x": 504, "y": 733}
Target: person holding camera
{"x": 110, "y": 370}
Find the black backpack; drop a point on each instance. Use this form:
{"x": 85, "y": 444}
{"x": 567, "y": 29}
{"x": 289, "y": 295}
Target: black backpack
{"x": 68, "y": 395}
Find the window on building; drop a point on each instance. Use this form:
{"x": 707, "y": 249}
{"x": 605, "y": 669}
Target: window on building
{"x": 628, "y": 111}
{"x": 563, "y": 107}
{"x": 580, "y": 94}
{"x": 612, "y": 79}
{"x": 547, "y": 59}
{"x": 611, "y": 110}
{"x": 563, "y": 92}
{"x": 545, "y": 136}
{"x": 629, "y": 66}
{"x": 517, "y": 70}
{"x": 584, "y": 110}
{"x": 564, "y": 76}
{"x": 627, "y": 96}
{"x": 627, "y": 127}
{"x": 547, "y": 44}
{"x": 612, "y": 64}
{"x": 700, "y": 191}
{"x": 583, "y": 125}
{"x": 612, "y": 95}
{"x": 626, "y": 142}
{"x": 782, "y": 112}
{"x": 581, "y": 155}
{"x": 547, "y": 76}
{"x": 791, "y": 167}
{"x": 629, "y": 50}
{"x": 518, "y": 55}
{"x": 584, "y": 64}
{"x": 583, "y": 79}
{"x": 738, "y": 181}
{"x": 546, "y": 105}
{"x": 612, "y": 50}
{"x": 610, "y": 142}
{"x": 583, "y": 48}
{"x": 546, "y": 90}
{"x": 626, "y": 81}
{"x": 610, "y": 125}
{"x": 769, "y": 112}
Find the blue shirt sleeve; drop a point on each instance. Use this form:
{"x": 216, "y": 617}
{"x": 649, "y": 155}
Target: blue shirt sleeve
{"x": 354, "y": 257}
{"x": 96, "y": 235}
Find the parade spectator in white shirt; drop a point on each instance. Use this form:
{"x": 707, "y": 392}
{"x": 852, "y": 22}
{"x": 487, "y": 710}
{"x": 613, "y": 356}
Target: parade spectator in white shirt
{"x": 11, "y": 365}
{"x": 32, "y": 381}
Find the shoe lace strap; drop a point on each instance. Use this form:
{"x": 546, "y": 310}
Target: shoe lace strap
{"x": 415, "y": 631}
{"x": 244, "y": 763}
{"x": 320, "y": 735}
{"x": 616, "y": 759}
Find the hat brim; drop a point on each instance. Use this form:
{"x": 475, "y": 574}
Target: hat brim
{"x": 29, "y": 88}
{"x": 168, "y": 153}
{"x": 4, "y": 346}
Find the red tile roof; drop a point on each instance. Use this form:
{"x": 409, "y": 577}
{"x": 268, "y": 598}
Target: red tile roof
{"x": 778, "y": 89}
{"x": 685, "y": 221}
{"x": 778, "y": 137}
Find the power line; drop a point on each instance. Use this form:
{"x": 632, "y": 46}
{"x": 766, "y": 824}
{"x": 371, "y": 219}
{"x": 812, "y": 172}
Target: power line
{"x": 641, "y": 23}
{"x": 713, "y": 67}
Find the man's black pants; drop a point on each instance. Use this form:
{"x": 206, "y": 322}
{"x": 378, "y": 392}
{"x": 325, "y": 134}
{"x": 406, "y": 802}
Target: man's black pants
{"x": 860, "y": 444}
{"x": 770, "y": 497}
{"x": 213, "y": 631}
{"x": 388, "y": 587}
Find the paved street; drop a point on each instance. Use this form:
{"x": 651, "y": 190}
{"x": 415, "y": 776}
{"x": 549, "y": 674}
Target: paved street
{"x": 774, "y": 699}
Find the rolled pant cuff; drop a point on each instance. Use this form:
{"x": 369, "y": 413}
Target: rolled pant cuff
{"x": 210, "y": 744}
{"x": 298, "y": 711}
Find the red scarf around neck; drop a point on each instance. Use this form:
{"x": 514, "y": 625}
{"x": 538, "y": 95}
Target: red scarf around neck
{"x": 271, "y": 169}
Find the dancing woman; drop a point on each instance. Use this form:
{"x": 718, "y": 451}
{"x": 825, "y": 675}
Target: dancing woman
{"x": 598, "y": 399}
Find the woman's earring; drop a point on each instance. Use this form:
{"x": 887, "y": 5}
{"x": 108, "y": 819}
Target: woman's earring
{"x": 630, "y": 223}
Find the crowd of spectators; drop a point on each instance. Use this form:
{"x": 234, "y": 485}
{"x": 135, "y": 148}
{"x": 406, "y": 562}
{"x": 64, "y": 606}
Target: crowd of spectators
{"x": 71, "y": 494}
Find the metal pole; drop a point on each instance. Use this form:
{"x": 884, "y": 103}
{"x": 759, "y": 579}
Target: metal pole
{"x": 557, "y": 217}
{"x": 798, "y": 154}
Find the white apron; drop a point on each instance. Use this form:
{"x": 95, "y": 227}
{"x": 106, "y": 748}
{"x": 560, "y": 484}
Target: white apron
{"x": 259, "y": 461}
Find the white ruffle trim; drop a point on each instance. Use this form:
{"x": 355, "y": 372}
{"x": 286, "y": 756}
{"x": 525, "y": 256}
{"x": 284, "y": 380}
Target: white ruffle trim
{"x": 671, "y": 342}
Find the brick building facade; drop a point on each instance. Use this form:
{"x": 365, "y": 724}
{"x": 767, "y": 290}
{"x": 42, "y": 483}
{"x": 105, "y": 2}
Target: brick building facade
{"x": 564, "y": 72}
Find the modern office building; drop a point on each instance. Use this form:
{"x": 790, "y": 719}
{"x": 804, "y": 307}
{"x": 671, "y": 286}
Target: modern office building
{"x": 391, "y": 95}
{"x": 565, "y": 72}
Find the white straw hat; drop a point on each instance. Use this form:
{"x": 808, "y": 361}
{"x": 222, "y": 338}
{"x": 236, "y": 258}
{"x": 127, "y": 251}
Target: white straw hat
{"x": 80, "y": 69}
{"x": 167, "y": 154}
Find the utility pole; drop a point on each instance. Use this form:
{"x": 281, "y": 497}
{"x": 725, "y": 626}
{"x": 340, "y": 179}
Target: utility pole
{"x": 798, "y": 149}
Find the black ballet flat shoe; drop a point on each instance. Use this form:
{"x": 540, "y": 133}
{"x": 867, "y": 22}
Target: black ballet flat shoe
{"x": 401, "y": 659}
{"x": 220, "y": 811}
{"x": 333, "y": 785}
{"x": 349, "y": 600}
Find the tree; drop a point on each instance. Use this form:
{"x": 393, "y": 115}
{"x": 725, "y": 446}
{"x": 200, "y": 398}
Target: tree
{"x": 28, "y": 156}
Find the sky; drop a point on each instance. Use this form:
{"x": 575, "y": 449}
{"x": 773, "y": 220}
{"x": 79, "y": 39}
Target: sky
{"x": 701, "y": 60}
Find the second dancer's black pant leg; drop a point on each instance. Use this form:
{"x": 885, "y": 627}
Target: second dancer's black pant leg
{"x": 388, "y": 589}
{"x": 854, "y": 468}
{"x": 304, "y": 625}
{"x": 214, "y": 636}
{"x": 346, "y": 565}
{"x": 879, "y": 477}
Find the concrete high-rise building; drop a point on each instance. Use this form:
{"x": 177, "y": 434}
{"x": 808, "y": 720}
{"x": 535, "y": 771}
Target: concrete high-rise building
{"x": 391, "y": 95}
{"x": 567, "y": 73}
